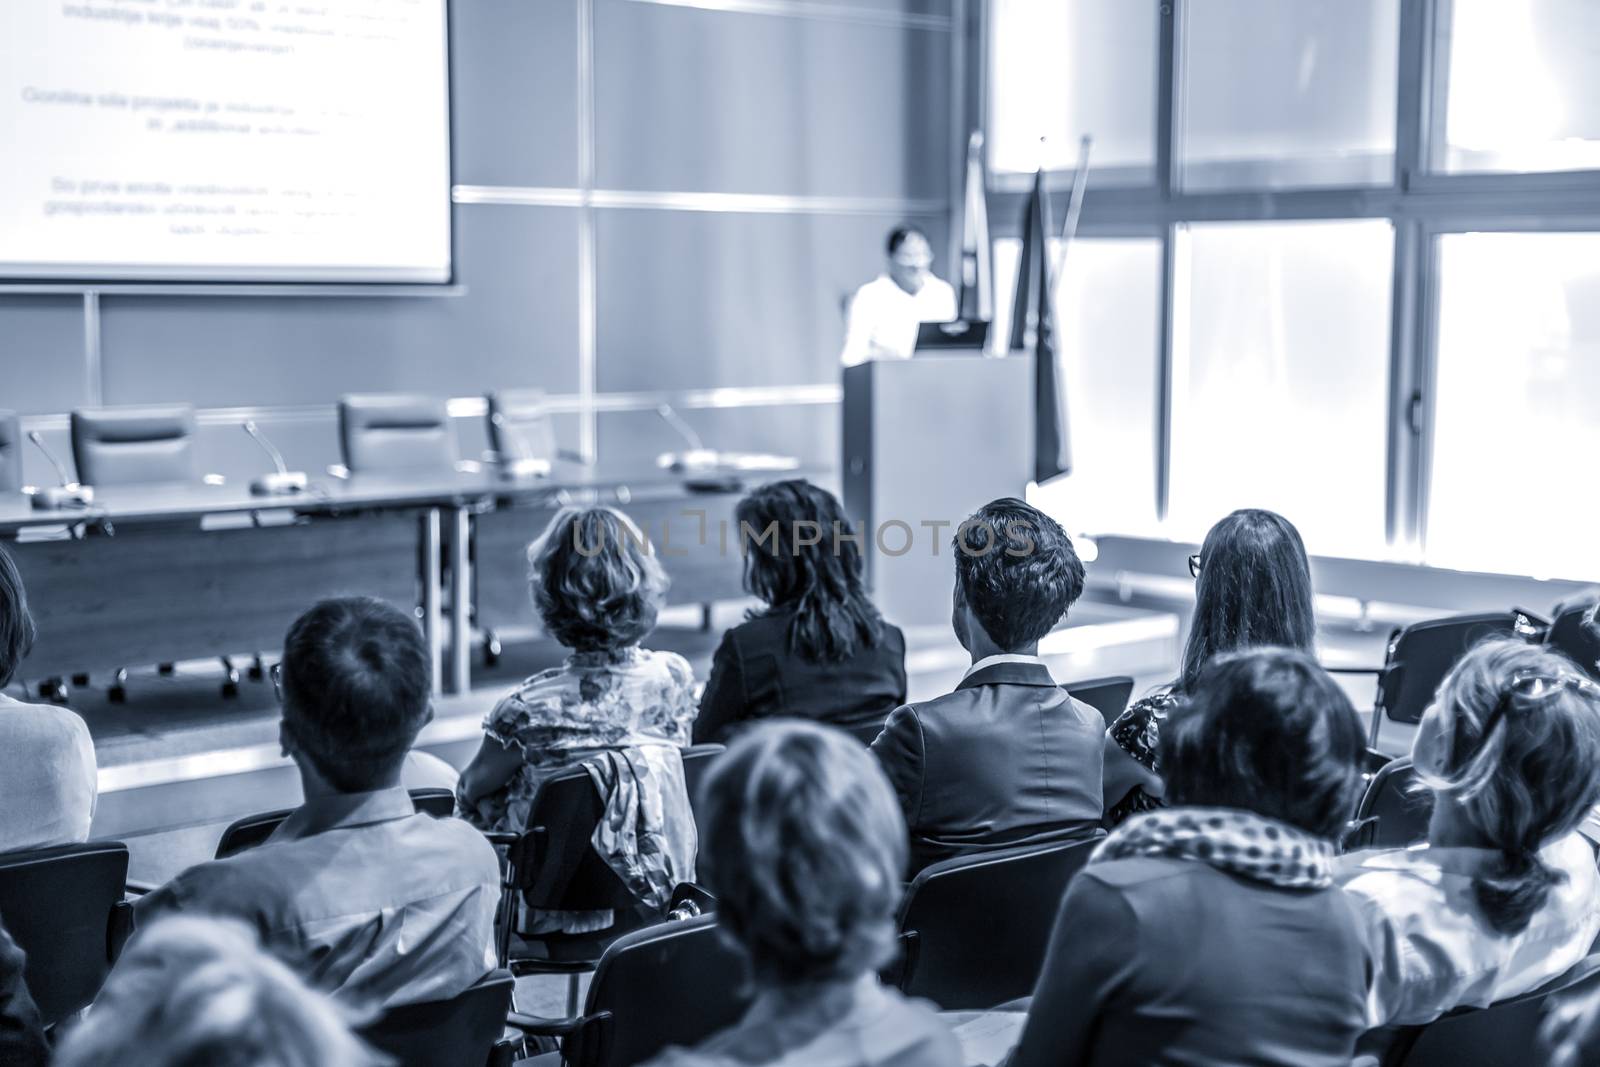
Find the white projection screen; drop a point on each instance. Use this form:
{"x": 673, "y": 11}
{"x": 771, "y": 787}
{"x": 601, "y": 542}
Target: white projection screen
{"x": 224, "y": 141}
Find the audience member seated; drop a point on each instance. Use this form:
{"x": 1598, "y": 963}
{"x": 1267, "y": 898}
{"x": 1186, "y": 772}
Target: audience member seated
{"x": 1212, "y": 932}
{"x": 22, "y": 1042}
{"x": 597, "y": 588}
{"x": 818, "y": 649}
{"x": 1504, "y": 896}
{"x": 1253, "y": 588}
{"x": 371, "y": 899}
{"x": 191, "y": 991}
{"x": 47, "y": 765}
{"x": 1008, "y": 757}
{"x": 804, "y": 846}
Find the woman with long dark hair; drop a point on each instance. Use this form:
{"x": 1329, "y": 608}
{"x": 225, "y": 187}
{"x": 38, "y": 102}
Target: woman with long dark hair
{"x": 817, "y": 647}
{"x": 1252, "y": 589}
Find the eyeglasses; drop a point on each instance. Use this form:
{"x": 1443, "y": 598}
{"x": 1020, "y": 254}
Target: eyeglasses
{"x": 277, "y": 680}
{"x": 1194, "y": 565}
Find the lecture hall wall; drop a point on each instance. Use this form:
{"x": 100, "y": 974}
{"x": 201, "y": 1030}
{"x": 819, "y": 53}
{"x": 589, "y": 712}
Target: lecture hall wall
{"x": 690, "y": 293}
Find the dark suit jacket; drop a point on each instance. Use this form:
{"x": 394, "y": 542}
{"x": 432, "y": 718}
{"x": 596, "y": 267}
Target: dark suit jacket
{"x": 1007, "y": 758}
{"x": 755, "y": 676}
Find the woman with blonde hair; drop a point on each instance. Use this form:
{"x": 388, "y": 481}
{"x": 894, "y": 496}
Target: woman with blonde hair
{"x": 804, "y": 847}
{"x": 201, "y": 991}
{"x": 597, "y": 587}
{"x": 1505, "y": 894}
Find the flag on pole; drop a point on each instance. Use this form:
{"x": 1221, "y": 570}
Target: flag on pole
{"x": 977, "y": 268}
{"x": 1033, "y": 328}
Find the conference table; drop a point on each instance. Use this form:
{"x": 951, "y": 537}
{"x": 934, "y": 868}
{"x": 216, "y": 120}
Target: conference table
{"x": 161, "y": 573}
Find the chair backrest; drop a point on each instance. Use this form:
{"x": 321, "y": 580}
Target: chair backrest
{"x": 1398, "y": 812}
{"x": 134, "y": 445}
{"x": 697, "y": 760}
{"x": 975, "y": 928}
{"x": 10, "y": 452}
{"x": 252, "y": 830}
{"x": 63, "y": 905}
{"x": 460, "y": 1031}
{"x": 396, "y": 432}
{"x": 674, "y": 983}
{"x": 1422, "y": 654}
{"x": 1567, "y": 635}
{"x": 1502, "y": 1033}
{"x": 1109, "y": 696}
{"x": 520, "y": 426}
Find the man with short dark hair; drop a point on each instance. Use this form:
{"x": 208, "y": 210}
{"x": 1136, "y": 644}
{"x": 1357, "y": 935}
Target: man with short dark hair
{"x": 1008, "y": 758}
{"x": 370, "y": 899}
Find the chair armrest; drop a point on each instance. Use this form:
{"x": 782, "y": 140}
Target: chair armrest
{"x": 119, "y": 929}
{"x": 501, "y": 838}
{"x": 539, "y": 1026}
{"x": 1352, "y": 670}
{"x": 137, "y": 889}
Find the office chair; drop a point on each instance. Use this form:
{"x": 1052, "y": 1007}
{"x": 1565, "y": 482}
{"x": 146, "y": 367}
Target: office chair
{"x": 974, "y": 929}
{"x": 520, "y": 431}
{"x": 552, "y": 866}
{"x": 1504, "y": 1032}
{"x": 674, "y": 983}
{"x": 10, "y": 452}
{"x": 1109, "y": 696}
{"x": 1568, "y": 636}
{"x": 252, "y": 830}
{"x": 396, "y": 433}
{"x": 1420, "y": 655}
{"x": 64, "y": 906}
{"x": 466, "y": 1030}
{"x": 145, "y": 445}
{"x": 1392, "y": 813}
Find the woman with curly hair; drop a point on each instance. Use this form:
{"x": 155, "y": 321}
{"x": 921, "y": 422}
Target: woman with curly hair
{"x": 597, "y": 587}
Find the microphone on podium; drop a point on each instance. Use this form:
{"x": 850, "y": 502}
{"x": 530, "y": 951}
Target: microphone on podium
{"x": 710, "y": 470}
{"x": 697, "y": 458}
{"x": 69, "y": 494}
{"x": 279, "y": 482}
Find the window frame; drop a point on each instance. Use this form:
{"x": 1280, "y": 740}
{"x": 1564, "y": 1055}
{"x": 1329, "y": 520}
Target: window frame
{"x": 1421, "y": 203}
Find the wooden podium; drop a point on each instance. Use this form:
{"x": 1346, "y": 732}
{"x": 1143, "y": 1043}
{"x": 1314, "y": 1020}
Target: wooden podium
{"x": 927, "y": 441}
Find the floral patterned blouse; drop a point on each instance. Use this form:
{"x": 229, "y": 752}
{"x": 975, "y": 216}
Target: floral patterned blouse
{"x": 596, "y": 700}
{"x": 1137, "y": 732}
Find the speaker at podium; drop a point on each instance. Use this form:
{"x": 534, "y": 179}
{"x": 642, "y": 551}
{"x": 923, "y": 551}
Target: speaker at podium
{"x": 927, "y": 441}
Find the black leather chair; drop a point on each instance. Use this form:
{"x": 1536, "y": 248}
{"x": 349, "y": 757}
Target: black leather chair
{"x": 65, "y": 908}
{"x": 10, "y": 452}
{"x": 552, "y": 866}
{"x": 674, "y": 983}
{"x": 1567, "y": 635}
{"x": 1392, "y": 812}
{"x": 520, "y": 430}
{"x": 464, "y": 1031}
{"x": 134, "y": 445}
{"x": 974, "y": 929}
{"x": 395, "y": 432}
{"x": 252, "y": 830}
{"x": 1109, "y": 696}
{"x": 1501, "y": 1034}
{"x": 1420, "y": 655}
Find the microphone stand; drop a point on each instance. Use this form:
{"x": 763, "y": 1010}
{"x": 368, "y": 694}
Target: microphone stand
{"x": 280, "y": 482}
{"x": 68, "y": 494}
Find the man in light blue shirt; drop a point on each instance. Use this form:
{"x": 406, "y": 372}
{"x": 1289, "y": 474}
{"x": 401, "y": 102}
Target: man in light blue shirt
{"x": 370, "y": 900}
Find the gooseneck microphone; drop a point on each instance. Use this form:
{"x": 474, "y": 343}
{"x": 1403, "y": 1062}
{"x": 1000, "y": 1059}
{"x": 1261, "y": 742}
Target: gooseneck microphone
{"x": 282, "y": 480}
{"x": 67, "y": 494}
{"x": 698, "y": 456}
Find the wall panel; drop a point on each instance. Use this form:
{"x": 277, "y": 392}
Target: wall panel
{"x": 41, "y": 353}
{"x": 711, "y": 101}
{"x": 696, "y": 299}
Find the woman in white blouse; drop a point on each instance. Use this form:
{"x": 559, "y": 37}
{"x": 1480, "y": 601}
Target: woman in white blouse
{"x": 1504, "y": 895}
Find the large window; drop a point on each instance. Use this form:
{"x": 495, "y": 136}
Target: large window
{"x": 1520, "y": 85}
{"x": 1074, "y": 68}
{"x": 1517, "y": 405}
{"x": 1279, "y": 378}
{"x": 1109, "y": 300}
{"x": 1370, "y": 278}
{"x": 1288, "y": 94}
